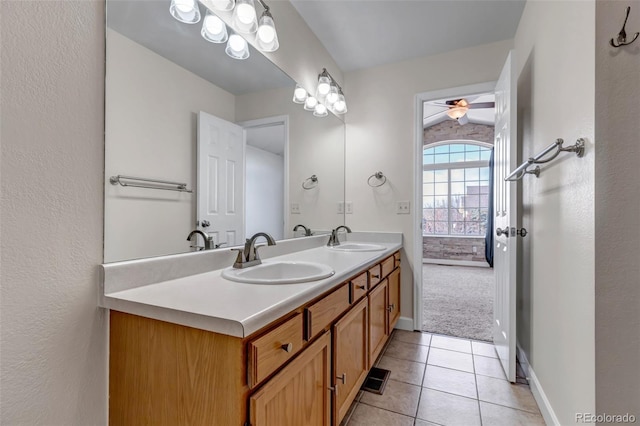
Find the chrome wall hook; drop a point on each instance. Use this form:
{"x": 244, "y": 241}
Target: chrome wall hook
{"x": 622, "y": 35}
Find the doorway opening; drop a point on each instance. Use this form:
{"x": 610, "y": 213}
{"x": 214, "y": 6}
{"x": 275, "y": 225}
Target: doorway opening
{"x": 455, "y": 140}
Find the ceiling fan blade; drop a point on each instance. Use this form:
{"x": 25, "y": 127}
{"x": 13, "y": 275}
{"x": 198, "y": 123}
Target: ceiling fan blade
{"x": 434, "y": 115}
{"x": 483, "y": 105}
{"x": 454, "y": 102}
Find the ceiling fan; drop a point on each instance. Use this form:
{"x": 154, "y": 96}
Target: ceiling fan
{"x": 457, "y": 109}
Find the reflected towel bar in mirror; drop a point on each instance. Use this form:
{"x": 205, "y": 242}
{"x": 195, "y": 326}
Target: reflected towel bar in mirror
{"x": 150, "y": 183}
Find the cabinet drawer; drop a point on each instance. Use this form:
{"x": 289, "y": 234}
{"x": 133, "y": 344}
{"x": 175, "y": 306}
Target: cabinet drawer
{"x": 374, "y": 275}
{"x": 358, "y": 287}
{"x": 270, "y": 351}
{"x": 324, "y": 311}
{"x": 396, "y": 257}
{"x": 388, "y": 265}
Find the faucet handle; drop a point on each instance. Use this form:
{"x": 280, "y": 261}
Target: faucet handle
{"x": 239, "y": 258}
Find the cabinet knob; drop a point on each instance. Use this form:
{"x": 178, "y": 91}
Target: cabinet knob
{"x": 342, "y": 378}
{"x": 391, "y": 307}
{"x": 287, "y": 347}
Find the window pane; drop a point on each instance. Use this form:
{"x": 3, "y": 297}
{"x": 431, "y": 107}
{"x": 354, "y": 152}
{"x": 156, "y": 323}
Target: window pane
{"x": 441, "y": 228}
{"x": 457, "y": 214}
{"x": 429, "y": 228}
{"x": 441, "y": 215}
{"x": 457, "y": 188}
{"x": 457, "y": 228}
{"x": 484, "y": 187}
{"x": 441, "y": 201}
{"x": 483, "y": 228}
{"x": 457, "y": 175}
{"x": 427, "y": 159}
{"x": 457, "y": 157}
{"x": 429, "y": 151}
{"x": 485, "y": 155}
{"x": 472, "y": 156}
{"x": 428, "y": 202}
{"x": 484, "y": 214}
{"x": 427, "y": 176}
{"x": 442, "y": 149}
{"x": 472, "y": 228}
{"x": 484, "y": 200}
{"x": 473, "y": 188}
{"x": 469, "y": 147}
{"x": 457, "y": 201}
{"x": 428, "y": 214}
{"x": 484, "y": 173}
{"x": 427, "y": 189}
{"x": 442, "y": 158}
{"x": 442, "y": 189}
{"x": 457, "y": 147}
{"x": 471, "y": 201}
{"x": 472, "y": 174}
{"x": 441, "y": 176}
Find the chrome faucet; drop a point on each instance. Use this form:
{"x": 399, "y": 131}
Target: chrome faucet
{"x": 249, "y": 255}
{"x": 307, "y": 231}
{"x": 333, "y": 239}
{"x": 208, "y": 239}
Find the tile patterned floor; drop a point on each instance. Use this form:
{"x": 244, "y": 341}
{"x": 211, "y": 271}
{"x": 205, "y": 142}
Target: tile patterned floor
{"x": 442, "y": 380}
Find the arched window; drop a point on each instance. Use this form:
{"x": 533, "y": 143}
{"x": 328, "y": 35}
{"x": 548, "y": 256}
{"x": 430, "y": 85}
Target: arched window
{"x": 455, "y": 188}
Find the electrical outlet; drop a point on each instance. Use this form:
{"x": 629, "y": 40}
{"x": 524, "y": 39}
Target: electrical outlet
{"x": 341, "y": 208}
{"x": 474, "y": 249}
{"x": 295, "y": 208}
{"x": 403, "y": 207}
{"x": 348, "y": 207}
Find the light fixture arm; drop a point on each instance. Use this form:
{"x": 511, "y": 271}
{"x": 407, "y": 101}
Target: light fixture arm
{"x": 266, "y": 8}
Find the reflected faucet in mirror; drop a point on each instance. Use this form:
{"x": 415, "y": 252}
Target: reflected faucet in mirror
{"x": 333, "y": 239}
{"x": 249, "y": 255}
{"x": 208, "y": 240}
{"x": 307, "y": 231}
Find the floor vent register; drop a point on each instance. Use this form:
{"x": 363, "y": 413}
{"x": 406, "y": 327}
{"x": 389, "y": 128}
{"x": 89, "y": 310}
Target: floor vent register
{"x": 376, "y": 380}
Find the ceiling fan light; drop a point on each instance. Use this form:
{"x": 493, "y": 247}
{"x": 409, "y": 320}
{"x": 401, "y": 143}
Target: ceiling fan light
{"x": 225, "y": 5}
{"x": 267, "y": 37}
{"x": 185, "y": 11}
{"x": 237, "y": 47}
{"x": 213, "y": 29}
{"x": 457, "y": 112}
{"x": 245, "y": 19}
{"x": 320, "y": 110}
{"x": 299, "y": 94}
{"x": 310, "y": 103}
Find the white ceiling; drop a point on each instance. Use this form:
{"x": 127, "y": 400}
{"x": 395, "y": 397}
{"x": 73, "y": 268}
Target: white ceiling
{"x": 365, "y": 33}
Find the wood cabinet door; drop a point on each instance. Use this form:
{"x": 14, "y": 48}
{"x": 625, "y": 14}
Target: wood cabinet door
{"x": 300, "y": 393}
{"x": 350, "y": 357}
{"x": 394, "y": 299}
{"x": 377, "y": 320}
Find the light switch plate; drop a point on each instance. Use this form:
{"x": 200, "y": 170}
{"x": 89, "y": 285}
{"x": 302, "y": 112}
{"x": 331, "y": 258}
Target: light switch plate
{"x": 340, "y": 208}
{"x": 295, "y": 208}
{"x": 403, "y": 207}
{"x": 349, "y": 207}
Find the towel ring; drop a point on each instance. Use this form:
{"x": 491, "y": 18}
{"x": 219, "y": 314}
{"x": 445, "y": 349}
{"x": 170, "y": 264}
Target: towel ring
{"x": 313, "y": 182}
{"x": 379, "y": 176}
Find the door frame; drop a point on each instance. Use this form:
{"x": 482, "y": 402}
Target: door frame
{"x": 420, "y": 98}
{"x": 269, "y": 121}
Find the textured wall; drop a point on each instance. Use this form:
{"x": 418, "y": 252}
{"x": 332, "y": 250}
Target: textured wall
{"x": 53, "y": 335}
{"x": 556, "y": 297}
{"x": 450, "y": 130}
{"x": 617, "y": 199}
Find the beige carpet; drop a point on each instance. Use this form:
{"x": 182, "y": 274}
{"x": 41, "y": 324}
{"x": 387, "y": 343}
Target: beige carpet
{"x": 458, "y": 301}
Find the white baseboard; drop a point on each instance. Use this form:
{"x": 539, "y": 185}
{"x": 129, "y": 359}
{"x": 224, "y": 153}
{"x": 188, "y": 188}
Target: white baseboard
{"x": 404, "y": 323}
{"x": 546, "y": 410}
{"x": 456, "y": 262}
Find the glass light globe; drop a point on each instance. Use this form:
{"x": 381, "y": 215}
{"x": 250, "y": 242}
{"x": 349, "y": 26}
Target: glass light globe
{"x": 185, "y": 11}
{"x": 332, "y": 96}
{"x": 324, "y": 85}
{"x": 223, "y": 4}
{"x": 237, "y": 47}
{"x": 299, "y": 94}
{"x": 244, "y": 16}
{"x": 213, "y": 29}
{"x": 310, "y": 103}
{"x": 267, "y": 37}
{"x": 320, "y": 111}
{"x": 340, "y": 106}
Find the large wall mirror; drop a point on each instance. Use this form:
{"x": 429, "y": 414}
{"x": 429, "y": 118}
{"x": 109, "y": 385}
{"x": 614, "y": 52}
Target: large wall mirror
{"x": 176, "y": 107}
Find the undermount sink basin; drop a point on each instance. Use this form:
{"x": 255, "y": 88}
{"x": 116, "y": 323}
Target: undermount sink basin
{"x": 285, "y": 272}
{"x": 357, "y": 247}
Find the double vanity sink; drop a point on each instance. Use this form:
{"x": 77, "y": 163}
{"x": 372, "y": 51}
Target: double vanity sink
{"x": 290, "y": 272}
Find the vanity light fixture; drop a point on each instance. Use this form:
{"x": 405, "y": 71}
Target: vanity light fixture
{"x": 237, "y": 47}
{"x": 186, "y": 11}
{"x": 329, "y": 96}
{"x": 267, "y": 37}
{"x": 310, "y": 103}
{"x": 320, "y": 110}
{"x": 224, "y": 5}
{"x": 245, "y": 19}
{"x": 213, "y": 29}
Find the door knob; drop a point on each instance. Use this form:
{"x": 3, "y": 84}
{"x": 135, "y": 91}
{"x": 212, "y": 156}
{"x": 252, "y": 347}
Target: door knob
{"x": 522, "y": 232}
{"x": 205, "y": 223}
{"x": 504, "y": 232}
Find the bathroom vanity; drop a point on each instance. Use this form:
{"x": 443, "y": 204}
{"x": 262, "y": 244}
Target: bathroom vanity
{"x": 285, "y": 354}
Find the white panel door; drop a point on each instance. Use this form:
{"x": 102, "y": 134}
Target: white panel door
{"x": 505, "y": 211}
{"x": 220, "y": 202}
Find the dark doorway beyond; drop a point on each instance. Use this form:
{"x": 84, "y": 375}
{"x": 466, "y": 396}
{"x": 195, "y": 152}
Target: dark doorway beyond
{"x": 458, "y": 301}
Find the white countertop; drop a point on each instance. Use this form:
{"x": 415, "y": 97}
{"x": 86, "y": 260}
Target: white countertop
{"x": 210, "y": 302}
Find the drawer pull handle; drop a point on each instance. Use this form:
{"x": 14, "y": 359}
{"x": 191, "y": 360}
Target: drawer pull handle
{"x": 342, "y": 378}
{"x": 287, "y": 347}
{"x": 375, "y": 275}
{"x": 391, "y": 307}
{"x": 361, "y": 287}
